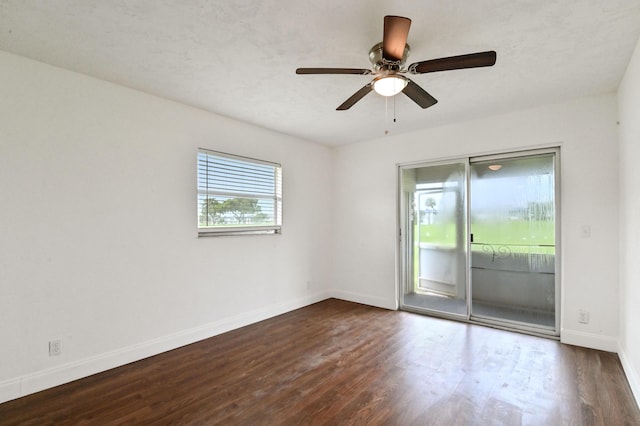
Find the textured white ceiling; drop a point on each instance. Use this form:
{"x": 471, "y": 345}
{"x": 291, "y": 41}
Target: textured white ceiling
{"x": 238, "y": 58}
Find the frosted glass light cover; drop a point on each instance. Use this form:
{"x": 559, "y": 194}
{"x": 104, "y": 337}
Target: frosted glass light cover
{"x": 389, "y": 86}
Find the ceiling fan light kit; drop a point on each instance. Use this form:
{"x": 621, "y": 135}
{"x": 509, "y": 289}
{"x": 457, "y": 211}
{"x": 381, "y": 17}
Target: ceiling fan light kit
{"x": 388, "y": 59}
{"x": 389, "y": 85}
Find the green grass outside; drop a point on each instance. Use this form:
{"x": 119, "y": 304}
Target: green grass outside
{"x": 518, "y": 234}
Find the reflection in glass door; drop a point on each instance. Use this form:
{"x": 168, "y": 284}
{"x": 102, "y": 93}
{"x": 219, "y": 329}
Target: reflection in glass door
{"x": 434, "y": 206}
{"x": 513, "y": 248}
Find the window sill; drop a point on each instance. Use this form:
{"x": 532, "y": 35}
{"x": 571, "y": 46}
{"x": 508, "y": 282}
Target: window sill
{"x": 239, "y": 231}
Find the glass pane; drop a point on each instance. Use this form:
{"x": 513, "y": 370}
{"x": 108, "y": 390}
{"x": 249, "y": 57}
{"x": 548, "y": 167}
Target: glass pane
{"x": 436, "y": 222}
{"x": 513, "y": 240}
{"x": 227, "y": 211}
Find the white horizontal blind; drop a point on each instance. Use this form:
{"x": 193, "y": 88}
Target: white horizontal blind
{"x": 238, "y": 194}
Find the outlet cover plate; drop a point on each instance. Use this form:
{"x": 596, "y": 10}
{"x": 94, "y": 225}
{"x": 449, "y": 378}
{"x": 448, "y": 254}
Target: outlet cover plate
{"x": 55, "y": 347}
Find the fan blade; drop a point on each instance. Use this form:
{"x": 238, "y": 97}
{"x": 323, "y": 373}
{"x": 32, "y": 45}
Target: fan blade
{"x": 419, "y": 95}
{"x": 472, "y": 60}
{"x": 356, "y": 97}
{"x": 396, "y": 30}
{"x": 357, "y": 71}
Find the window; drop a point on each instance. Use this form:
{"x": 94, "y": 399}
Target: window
{"x": 238, "y": 195}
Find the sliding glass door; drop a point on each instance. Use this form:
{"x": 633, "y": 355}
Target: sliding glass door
{"x": 479, "y": 240}
{"x": 513, "y": 240}
{"x": 434, "y": 200}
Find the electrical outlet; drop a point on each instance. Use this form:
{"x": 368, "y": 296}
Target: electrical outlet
{"x": 583, "y": 317}
{"x": 55, "y": 347}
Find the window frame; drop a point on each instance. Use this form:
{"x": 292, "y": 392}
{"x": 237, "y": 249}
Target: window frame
{"x": 231, "y": 229}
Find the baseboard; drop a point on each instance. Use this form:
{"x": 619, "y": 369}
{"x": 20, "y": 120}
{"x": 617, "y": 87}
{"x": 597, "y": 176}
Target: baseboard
{"x": 589, "y": 340}
{"x": 45, "y": 379}
{"x": 365, "y": 299}
{"x": 9, "y": 389}
{"x": 632, "y": 374}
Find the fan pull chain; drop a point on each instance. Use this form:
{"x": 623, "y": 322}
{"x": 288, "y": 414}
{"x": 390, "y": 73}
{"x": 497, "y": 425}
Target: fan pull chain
{"x": 386, "y": 111}
{"x": 386, "y": 114}
{"x": 394, "y": 109}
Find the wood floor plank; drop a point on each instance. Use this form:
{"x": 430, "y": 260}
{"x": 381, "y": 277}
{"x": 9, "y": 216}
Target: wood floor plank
{"x": 337, "y": 362}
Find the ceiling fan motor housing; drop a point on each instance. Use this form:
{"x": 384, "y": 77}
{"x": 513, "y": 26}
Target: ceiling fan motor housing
{"x": 380, "y": 63}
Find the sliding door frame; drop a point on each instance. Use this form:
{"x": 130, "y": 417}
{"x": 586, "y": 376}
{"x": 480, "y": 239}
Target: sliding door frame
{"x": 405, "y": 255}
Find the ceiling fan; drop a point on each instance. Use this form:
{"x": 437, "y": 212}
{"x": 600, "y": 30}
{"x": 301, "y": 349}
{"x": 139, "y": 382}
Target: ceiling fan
{"x": 388, "y": 59}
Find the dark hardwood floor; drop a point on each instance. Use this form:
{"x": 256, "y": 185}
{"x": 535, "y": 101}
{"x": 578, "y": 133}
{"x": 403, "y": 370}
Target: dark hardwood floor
{"x": 337, "y": 362}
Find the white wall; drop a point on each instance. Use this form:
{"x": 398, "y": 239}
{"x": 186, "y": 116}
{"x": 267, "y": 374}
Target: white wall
{"x": 98, "y": 242}
{"x": 365, "y": 201}
{"x": 629, "y": 130}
